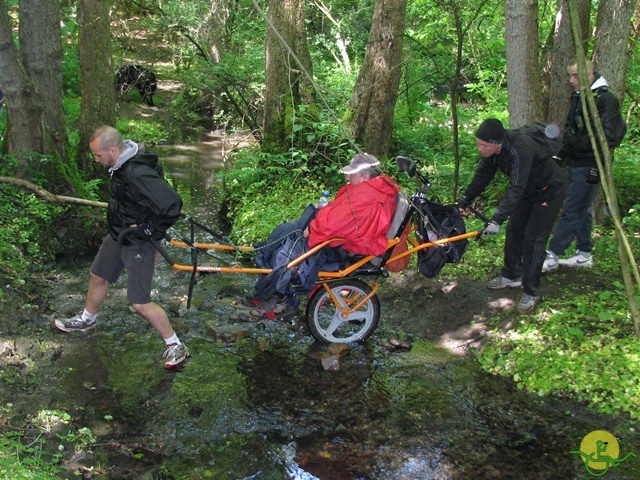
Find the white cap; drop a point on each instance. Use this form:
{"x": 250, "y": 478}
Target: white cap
{"x": 359, "y": 162}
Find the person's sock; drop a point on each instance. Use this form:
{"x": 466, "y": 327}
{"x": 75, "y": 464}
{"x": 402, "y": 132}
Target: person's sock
{"x": 90, "y": 317}
{"x": 173, "y": 340}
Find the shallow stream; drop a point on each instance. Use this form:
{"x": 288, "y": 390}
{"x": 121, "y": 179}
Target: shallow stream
{"x": 254, "y": 401}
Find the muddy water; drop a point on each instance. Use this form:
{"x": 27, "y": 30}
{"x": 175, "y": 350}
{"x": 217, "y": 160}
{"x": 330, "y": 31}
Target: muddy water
{"x": 254, "y": 401}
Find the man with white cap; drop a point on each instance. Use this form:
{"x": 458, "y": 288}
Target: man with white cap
{"x": 360, "y": 215}
{"x": 361, "y": 212}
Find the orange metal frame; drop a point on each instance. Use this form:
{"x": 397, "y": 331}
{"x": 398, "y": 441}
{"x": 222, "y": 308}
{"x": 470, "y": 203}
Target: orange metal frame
{"x": 324, "y": 276}
{"x": 415, "y": 247}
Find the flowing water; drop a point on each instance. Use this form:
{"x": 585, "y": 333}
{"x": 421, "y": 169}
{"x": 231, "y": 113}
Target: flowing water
{"x": 254, "y": 401}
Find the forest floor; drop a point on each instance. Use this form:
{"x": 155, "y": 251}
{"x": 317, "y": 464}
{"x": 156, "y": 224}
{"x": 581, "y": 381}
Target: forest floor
{"x": 461, "y": 313}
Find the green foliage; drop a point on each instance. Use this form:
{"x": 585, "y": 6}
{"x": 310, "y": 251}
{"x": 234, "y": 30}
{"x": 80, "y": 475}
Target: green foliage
{"x": 72, "y": 106}
{"x": 584, "y": 346}
{"x": 258, "y": 199}
{"x": 81, "y": 439}
{"x": 29, "y": 461}
{"x": 352, "y": 22}
{"x": 148, "y": 132}
{"x": 491, "y": 86}
{"x": 318, "y": 140}
{"x": 219, "y": 69}
{"x": 432, "y": 27}
{"x": 71, "y": 61}
{"x": 632, "y": 219}
{"x": 23, "y": 455}
{"x": 625, "y": 167}
{"x": 27, "y": 238}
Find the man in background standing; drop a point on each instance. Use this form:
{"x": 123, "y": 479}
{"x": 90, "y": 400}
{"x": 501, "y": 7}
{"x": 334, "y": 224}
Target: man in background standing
{"x": 576, "y": 221}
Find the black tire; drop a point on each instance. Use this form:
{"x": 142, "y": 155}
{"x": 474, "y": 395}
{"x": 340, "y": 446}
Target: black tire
{"x": 325, "y": 320}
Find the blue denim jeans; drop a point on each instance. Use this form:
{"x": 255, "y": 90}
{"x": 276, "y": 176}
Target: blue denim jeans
{"x": 576, "y": 221}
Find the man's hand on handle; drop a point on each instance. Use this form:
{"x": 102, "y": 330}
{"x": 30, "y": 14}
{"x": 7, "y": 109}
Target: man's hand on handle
{"x": 492, "y": 228}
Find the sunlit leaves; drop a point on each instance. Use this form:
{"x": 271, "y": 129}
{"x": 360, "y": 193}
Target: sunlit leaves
{"x": 585, "y": 347}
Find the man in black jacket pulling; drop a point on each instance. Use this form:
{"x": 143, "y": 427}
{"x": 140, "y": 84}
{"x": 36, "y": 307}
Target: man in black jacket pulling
{"x": 141, "y": 208}
{"x": 537, "y": 186}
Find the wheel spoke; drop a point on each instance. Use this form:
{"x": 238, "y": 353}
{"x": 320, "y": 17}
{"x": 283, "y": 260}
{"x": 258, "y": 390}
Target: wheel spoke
{"x": 327, "y": 322}
{"x": 336, "y": 322}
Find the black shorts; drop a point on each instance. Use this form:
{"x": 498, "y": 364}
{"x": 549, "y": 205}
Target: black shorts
{"x": 139, "y": 262}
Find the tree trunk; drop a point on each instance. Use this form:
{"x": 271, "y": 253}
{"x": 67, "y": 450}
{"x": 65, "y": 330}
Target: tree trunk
{"x": 611, "y": 57}
{"x": 524, "y": 84}
{"x": 307, "y": 92}
{"x": 97, "y": 76}
{"x": 611, "y": 45}
{"x": 283, "y": 75}
{"x": 376, "y": 90}
{"x": 635, "y": 24}
{"x": 41, "y": 51}
{"x": 215, "y": 28}
{"x": 25, "y": 124}
{"x": 461, "y": 33}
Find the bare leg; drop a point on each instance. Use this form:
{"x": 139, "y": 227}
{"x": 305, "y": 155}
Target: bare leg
{"x": 156, "y": 316}
{"x": 98, "y": 288}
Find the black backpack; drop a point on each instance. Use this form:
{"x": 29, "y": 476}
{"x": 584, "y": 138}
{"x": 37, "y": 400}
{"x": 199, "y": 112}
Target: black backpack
{"x": 621, "y": 131}
{"x": 621, "y": 125}
{"x": 547, "y": 135}
{"x": 438, "y": 221}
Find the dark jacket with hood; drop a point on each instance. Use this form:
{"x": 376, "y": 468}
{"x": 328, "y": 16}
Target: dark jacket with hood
{"x": 532, "y": 173}
{"x": 577, "y": 149}
{"x": 140, "y": 194}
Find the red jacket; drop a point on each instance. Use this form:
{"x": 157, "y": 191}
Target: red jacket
{"x": 361, "y": 214}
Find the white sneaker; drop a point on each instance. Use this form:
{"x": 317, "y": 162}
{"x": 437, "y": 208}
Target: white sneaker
{"x": 503, "y": 282}
{"x": 580, "y": 259}
{"x": 175, "y": 355}
{"x": 74, "y": 324}
{"x": 550, "y": 263}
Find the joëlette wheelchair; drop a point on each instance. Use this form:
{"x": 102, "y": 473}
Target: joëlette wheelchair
{"x": 343, "y": 306}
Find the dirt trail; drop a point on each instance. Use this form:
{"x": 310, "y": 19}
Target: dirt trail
{"x": 461, "y": 313}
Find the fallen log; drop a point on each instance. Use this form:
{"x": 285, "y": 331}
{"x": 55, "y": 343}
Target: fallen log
{"x": 51, "y": 197}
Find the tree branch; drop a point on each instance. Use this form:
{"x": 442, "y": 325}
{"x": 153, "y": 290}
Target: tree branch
{"x": 48, "y": 196}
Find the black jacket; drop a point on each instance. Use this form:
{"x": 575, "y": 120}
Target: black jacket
{"x": 577, "y": 149}
{"x": 532, "y": 173}
{"x": 139, "y": 195}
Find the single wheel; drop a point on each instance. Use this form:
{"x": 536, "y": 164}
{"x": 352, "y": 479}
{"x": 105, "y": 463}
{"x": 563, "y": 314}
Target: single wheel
{"x": 326, "y": 321}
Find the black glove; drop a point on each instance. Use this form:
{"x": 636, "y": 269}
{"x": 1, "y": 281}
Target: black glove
{"x": 463, "y": 203}
{"x": 492, "y": 228}
{"x": 144, "y": 231}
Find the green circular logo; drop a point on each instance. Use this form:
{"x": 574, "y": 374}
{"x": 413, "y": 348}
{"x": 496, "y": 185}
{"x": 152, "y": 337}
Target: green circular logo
{"x": 597, "y": 445}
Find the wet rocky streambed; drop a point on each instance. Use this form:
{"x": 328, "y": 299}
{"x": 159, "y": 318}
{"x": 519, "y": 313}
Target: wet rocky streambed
{"x": 259, "y": 400}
